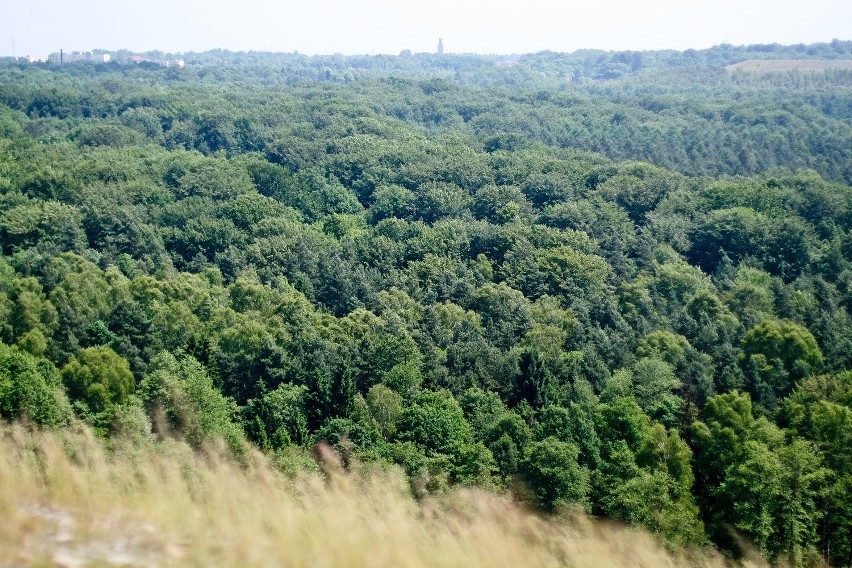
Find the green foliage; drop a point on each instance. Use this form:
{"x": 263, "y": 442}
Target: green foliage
{"x": 775, "y": 496}
{"x": 788, "y": 342}
{"x": 29, "y": 314}
{"x": 49, "y": 223}
{"x": 419, "y": 260}
{"x": 639, "y": 188}
{"x": 278, "y": 418}
{"x": 668, "y": 347}
{"x": 820, "y": 410}
{"x": 646, "y": 499}
{"x": 404, "y": 378}
{"x": 348, "y": 437}
{"x": 507, "y": 439}
{"x": 182, "y": 390}
{"x": 775, "y": 355}
{"x": 246, "y": 358}
{"x": 735, "y": 233}
{"x": 775, "y": 486}
{"x": 535, "y": 384}
{"x": 435, "y": 423}
{"x": 656, "y": 387}
{"x": 99, "y": 378}
{"x": 645, "y": 474}
{"x": 105, "y": 134}
{"x": 481, "y": 409}
{"x": 385, "y": 407}
{"x": 31, "y": 388}
{"x": 557, "y": 479}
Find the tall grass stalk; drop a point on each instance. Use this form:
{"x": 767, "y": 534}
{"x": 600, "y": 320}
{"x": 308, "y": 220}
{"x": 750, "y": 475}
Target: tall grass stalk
{"x": 66, "y": 500}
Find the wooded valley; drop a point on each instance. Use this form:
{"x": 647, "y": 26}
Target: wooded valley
{"x": 609, "y": 282}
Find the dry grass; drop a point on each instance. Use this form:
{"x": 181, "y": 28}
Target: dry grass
{"x": 65, "y": 501}
{"x": 781, "y": 65}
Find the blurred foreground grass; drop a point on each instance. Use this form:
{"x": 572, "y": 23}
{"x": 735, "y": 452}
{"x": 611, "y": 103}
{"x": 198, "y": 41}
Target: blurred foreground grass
{"x": 67, "y": 501}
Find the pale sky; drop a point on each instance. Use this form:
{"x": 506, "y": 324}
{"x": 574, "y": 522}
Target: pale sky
{"x": 385, "y": 26}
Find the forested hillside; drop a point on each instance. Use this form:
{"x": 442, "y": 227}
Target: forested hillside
{"x": 628, "y": 296}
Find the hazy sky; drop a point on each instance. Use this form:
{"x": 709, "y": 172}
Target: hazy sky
{"x": 385, "y": 26}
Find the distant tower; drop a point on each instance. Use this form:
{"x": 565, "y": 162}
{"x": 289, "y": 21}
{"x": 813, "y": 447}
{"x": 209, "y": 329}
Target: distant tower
{"x": 440, "y": 46}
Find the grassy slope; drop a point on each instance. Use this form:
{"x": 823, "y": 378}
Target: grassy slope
{"x": 65, "y": 501}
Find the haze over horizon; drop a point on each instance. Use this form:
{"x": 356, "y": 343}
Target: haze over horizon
{"x": 383, "y": 26}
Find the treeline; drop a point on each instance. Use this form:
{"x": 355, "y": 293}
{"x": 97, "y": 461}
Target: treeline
{"x": 469, "y": 301}
{"x": 546, "y": 69}
{"x": 694, "y": 120}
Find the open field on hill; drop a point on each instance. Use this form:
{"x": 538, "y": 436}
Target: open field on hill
{"x": 780, "y": 65}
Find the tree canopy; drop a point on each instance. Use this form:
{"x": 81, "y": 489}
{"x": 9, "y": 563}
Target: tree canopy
{"x": 610, "y": 282}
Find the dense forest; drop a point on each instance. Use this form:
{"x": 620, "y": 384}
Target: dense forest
{"x": 611, "y": 282}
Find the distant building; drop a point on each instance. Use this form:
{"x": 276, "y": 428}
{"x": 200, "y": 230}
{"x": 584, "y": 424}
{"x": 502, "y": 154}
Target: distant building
{"x": 440, "y": 46}
{"x": 75, "y": 56}
{"x": 34, "y": 59}
{"x": 84, "y": 56}
{"x": 163, "y": 62}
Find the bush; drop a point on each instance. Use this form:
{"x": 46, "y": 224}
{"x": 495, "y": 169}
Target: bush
{"x": 31, "y": 387}
{"x": 99, "y": 378}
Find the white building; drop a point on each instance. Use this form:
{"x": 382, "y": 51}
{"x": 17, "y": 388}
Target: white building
{"x": 76, "y": 56}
